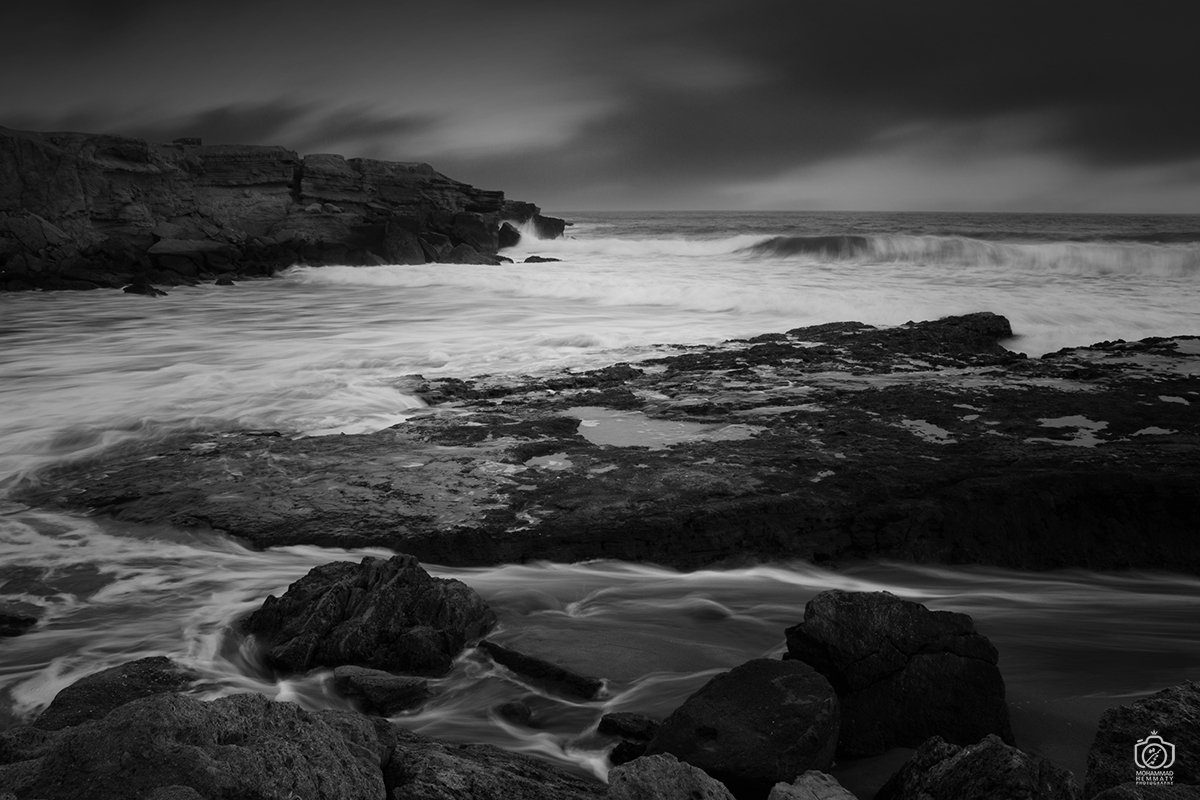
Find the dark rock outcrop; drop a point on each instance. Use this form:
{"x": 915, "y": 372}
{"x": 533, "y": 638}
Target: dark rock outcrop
{"x": 663, "y": 777}
{"x": 903, "y": 673}
{"x": 634, "y": 730}
{"x": 1173, "y": 714}
{"x": 389, "y": 615}
{"x": 541, "y": 260}
{"x": 16, "y": 621}
{"x": 380, "y": 692}
{"x": 760, "y": 723}
{"x": 508, "y": 236}
{"x": 987, "y": 770}
{"x": 423, "y": 769}
{"x": 95, "y": 695}
{"x": 550, "y": 676}
{"x": 80, "y": 211}
{"x": 170, "y": 746}
{"x": 819, "y": 443}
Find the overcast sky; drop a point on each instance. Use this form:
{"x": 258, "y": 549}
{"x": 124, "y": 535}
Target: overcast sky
{"x": 755, "y": 104}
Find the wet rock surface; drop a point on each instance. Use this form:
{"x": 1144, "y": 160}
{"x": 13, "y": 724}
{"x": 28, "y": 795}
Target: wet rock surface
{"x": 812, "y": 785}
{"x": 987, "y": 770}
{"x": 1172, "y": 714}
{"x": 925, "y": 442}
{"x": 93, "y": 696}
{"x": 763, "y": 722}
{"x": 551, "y": 676}
{"x": 380, "y": 692}
{"x": 82, "y": 211}
{"x": 903, "y": 673}
{"x": 383, "y": 614}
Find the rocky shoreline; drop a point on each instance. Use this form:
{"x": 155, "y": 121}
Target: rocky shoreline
{"x": 864, "y": 672}
{"x": 85, "y": 211}
{"x": 926, "y": 442}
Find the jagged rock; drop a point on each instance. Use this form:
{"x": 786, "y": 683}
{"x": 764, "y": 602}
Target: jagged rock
{"x": 82, "y": 210}
{"x": 812, "y": 785}
{"x": 903, "y": 673}
{"x": 380, "y": 692}
{"x": 93, "y": 696}
{"x": 423, "y": 769}
{"x": 541, "y": 260}
{"x": 1132, "y": 791}
{"x": 550, "y": 676}
{"x": 663, "y": 777}
{"x": 508, "y": 236}
{"x": 401, "y": 245}
{"x": 988, "y": 770}
{"x": 760, "y": 723}
{"x": 1173, "y": 714}
{"x": 235, "y": 747}
{"x": 389, "y": 615}
{"x": 465, "y": 254}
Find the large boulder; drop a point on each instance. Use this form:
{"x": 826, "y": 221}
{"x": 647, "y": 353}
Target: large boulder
{"x": 763, "y": 722}
{"x": 171, "y": 746}
{"x": 93, "y": 696}
{"x": 1172, "y": 714}
{"x": 987, "y": 770}
{"x": 663, "y": 777}
{"x": 385, "y": 614}
{"x": 903, "y": 673}
{"x": 424, "y": 769}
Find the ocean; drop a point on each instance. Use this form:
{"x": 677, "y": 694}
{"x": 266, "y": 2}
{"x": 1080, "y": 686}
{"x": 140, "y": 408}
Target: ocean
{"x": 323, "y": 350}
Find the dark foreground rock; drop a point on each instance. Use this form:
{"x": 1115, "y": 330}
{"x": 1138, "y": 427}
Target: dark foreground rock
{"x": 80, "y": 211}
{"x": 925, "y": 442}
{"x": 903, "y": 673}
{"x": 663, "y": 777}
{"x": 989, "y": 770}
{"x": 423, "y": 769}
{"x": 760, "y": 723}
{"x": 384, "y": 614}
{"x": 551, "y": 676}
{"x": 93, "y": 696}
{"x": 1172, "y": 714}
{"x": 238, "y": 747}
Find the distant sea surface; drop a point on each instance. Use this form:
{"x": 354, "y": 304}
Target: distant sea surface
{"x": 325, "y": 350}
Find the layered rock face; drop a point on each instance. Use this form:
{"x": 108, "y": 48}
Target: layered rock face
{"x": 80, "y": 211}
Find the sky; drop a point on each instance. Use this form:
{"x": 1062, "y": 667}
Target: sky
{"x": 756, "y": 104}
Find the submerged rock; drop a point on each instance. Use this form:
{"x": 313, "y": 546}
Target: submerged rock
{"x": 389, "y": 615}
{"x": 93, "y": 696}
{"x": 760, "y": 723}
{"x": 988, "y": 770}
{"x": 903, "y": 673}
{"x": 380, "y": 692}
{"x": 1172, "y": 714}
{"x": 551, "y": 676}
{"x": 663, "y": 777}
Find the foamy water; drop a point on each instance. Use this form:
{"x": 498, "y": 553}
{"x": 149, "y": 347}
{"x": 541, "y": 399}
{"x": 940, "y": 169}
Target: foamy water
{"x": 333, "y": 349}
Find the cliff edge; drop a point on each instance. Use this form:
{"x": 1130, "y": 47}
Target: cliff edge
{"x": 82, "y": 211}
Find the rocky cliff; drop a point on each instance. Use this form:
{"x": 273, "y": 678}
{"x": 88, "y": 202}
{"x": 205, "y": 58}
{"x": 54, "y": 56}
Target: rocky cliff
{"x": 80, "y": 211}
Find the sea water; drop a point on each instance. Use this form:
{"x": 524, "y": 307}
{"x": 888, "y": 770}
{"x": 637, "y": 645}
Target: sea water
{"x": 333, "y": 349}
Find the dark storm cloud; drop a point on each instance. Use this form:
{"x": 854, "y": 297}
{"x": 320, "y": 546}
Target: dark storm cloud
{"x": 301, "y": 126}
{"x": 633, "y": 100}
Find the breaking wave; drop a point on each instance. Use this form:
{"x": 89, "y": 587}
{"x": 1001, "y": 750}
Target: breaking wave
{"x": 1075, "y": 258}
